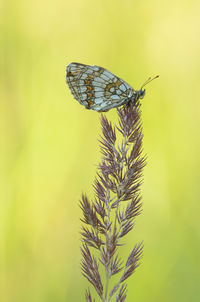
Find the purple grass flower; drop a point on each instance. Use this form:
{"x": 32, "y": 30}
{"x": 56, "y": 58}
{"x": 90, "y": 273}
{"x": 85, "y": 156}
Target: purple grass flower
{"x": 111, "y": 215}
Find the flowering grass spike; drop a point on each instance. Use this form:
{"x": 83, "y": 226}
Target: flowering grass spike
{"x": 111, "y": 215}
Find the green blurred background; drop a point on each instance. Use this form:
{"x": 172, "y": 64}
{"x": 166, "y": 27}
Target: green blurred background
{"x": 49, "y": 148}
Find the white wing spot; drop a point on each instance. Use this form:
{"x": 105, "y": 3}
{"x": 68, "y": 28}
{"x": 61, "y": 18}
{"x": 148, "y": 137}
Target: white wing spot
{"x": 98, "y": 88}
{"x": 83, "y": 88}
{"x": 98, "y": 79}
{"x": 122, "y": 87}
{"x": 98, "y": 101}
{"x": 104, "y": 77}
{"x": 99, "y": 94}
{"x": 119, "y": 91}
{"x": 115, "y": 97}
{"x": 84, "y": 76}
{"x": 108, "y": 74}
{"x": 83, "y": 96}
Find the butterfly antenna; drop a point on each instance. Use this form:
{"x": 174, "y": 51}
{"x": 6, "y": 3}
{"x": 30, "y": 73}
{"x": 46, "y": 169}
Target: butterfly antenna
{"x": 149, "y": 80}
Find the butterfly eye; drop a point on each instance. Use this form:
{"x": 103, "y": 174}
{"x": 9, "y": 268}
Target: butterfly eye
{"x": 142, "y": 93}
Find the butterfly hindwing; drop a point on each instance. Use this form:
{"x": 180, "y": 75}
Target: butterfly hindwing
{"x": 97, "y": 88}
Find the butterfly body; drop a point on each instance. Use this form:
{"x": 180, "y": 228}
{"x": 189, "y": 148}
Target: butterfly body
{"x": 99, "y": 89}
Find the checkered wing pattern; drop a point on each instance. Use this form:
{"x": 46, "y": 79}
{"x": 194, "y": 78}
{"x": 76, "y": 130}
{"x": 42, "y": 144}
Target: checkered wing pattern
{"x": 97, "y": 88}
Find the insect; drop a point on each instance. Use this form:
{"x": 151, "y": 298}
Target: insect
{"x": 99, "y": 89}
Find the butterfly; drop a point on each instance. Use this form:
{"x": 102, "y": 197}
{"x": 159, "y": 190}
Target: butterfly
{"x": 98, "y": 89}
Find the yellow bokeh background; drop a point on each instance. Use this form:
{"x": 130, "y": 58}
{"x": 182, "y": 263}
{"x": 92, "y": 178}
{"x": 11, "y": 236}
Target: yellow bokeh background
{"x": 49, "y": 143}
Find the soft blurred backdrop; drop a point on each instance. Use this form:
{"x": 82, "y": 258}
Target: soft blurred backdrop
{"x": 49, "y": 148}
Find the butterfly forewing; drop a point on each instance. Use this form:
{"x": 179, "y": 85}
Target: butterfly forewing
{"x": 97, "y": 88}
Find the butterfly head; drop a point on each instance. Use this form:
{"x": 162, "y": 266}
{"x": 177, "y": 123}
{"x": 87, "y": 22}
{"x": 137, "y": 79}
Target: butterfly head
{"x": 141, "y": 93}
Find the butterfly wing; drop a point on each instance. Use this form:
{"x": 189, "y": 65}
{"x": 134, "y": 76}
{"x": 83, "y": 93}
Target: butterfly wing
{"x": 97, "y": 88}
